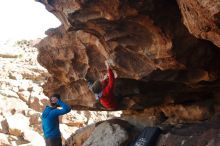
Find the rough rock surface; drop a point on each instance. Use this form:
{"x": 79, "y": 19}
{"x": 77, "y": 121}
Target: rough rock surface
{"x": 198, "y": 133}
{"x": 202, "y": 134}
{"x": 21, "y": 78}
{"x": 114, "y": 132}
{"x": 147, "y": 45}
{"x": 22, "y": 99}
{"x": 170, "y": 48}
{"x": 202, "y": 18}
{"x": 142, "y": 40}
{"x": 116, "y": 135}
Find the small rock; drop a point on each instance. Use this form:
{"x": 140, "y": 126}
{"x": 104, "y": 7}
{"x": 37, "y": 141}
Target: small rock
{"x": 4, "y": 140}
{"x": 3, "y": 125}
{"x": 17, "y": 124}
{"x": 9, "y": 93}
{"x": 15, "y": 76}
{"x": 24, "y": 95}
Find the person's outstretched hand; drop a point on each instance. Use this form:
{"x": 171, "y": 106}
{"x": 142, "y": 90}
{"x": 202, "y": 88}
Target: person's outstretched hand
{"x": 54, "y": 100}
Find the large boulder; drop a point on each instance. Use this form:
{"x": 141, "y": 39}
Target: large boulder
{"x": 107, "y": 134}
{"x": 112, "y": 132}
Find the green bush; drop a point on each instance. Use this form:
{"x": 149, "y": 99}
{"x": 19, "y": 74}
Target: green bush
{"x": 23, "y": 43}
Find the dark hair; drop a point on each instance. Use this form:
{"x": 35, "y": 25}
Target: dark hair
{"x": 54, "y": 95}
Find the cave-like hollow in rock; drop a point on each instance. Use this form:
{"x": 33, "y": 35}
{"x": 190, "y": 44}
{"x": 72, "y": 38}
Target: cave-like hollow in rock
{"x": 165, "y": 54}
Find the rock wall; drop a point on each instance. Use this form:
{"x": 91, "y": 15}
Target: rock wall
{"x": 143, "y": 40}
{"x": 147, "y": 41}
{"x": 202, "y": 134}
{"x": 22, "y": 99}
{"x": 191, "y": 134}
{"x": 112, "y": 132}
{"x": 202, "y": 18}
{"x": 170, "y": 47}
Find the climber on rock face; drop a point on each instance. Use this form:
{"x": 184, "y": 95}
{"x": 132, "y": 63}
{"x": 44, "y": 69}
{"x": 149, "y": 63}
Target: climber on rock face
{"x": 112, "y": 92}
{"x": 50, "y": 120}
{"x": 104, "y": 90}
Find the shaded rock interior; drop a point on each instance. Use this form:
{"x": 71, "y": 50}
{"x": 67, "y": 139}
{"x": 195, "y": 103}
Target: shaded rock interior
{"x": 205, "y": 133}
{"x": 169, "y": 50}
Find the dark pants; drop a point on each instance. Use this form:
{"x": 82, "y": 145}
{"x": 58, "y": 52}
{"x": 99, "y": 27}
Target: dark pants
{"x": 53, "y": 141}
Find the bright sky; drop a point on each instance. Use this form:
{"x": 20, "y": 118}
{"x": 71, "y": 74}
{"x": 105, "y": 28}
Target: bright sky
{"x": 24, "y": 19}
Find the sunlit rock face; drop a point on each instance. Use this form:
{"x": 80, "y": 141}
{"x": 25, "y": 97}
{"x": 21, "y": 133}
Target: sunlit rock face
{"x": 147, "y": 40}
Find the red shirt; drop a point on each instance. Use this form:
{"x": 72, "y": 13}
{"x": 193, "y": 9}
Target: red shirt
{"x": 108, "y": 99}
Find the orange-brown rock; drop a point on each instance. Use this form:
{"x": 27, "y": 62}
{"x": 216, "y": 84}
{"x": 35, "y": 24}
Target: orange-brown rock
{"x": 202, "y": 18}
{"x": 167, "y": 52}
{"x": 134, "y": 45}
{"x": 142, "y": 40}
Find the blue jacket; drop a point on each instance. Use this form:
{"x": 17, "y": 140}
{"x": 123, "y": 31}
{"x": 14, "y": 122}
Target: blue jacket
{"x": 50, "y": 120}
